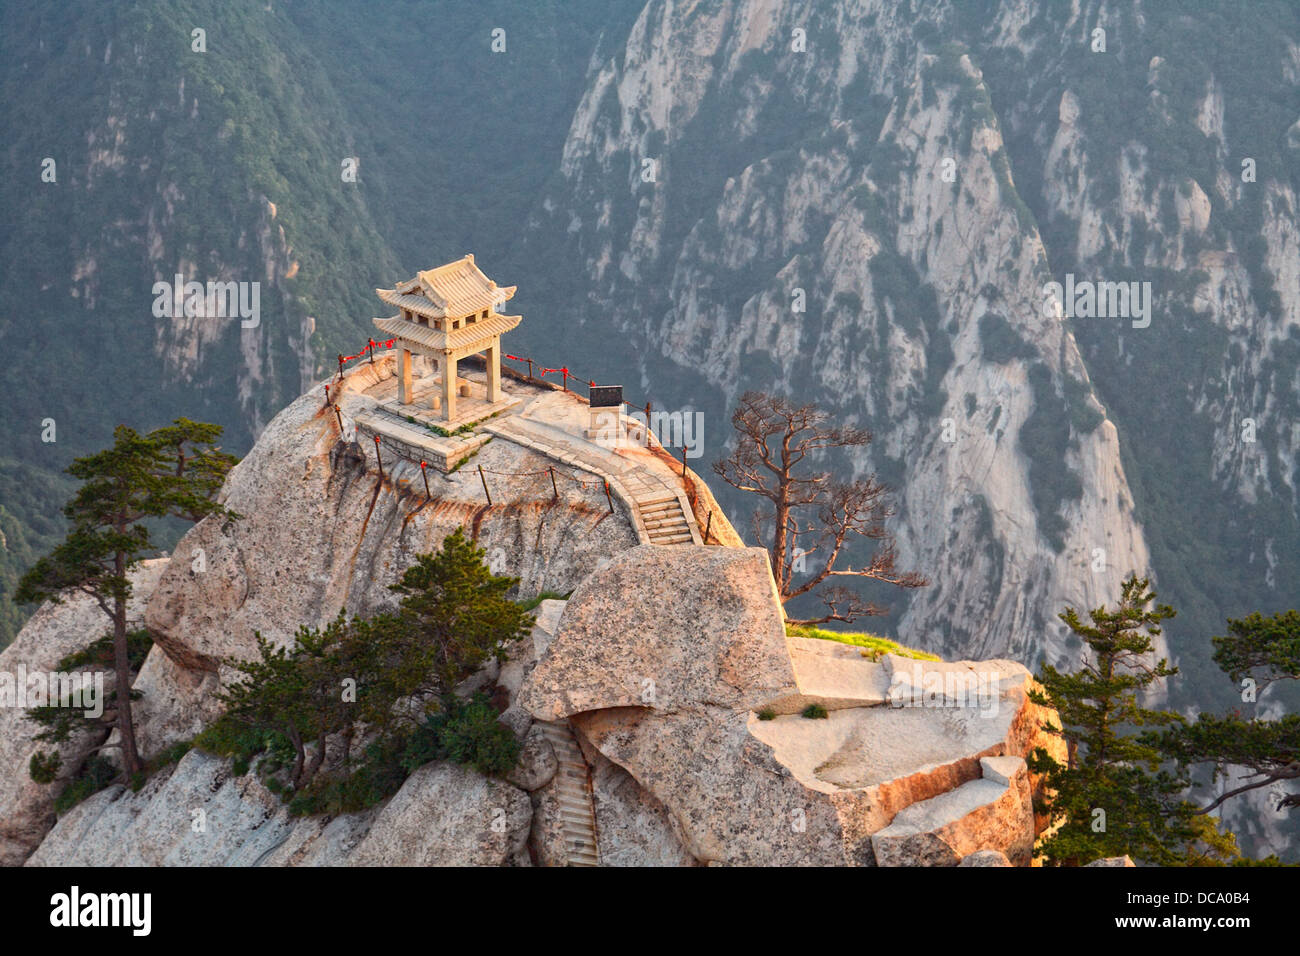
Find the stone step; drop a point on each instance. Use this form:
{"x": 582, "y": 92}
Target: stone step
{"x": 663, "y": 515}
{"x": 648, "y": 503}
{"x": 677, "y": 520}
{"x": 573, "y": 799}
{"x": 672, "y": 527}
{"x": 939, "y": 825}
{"x": 684, "y": 538}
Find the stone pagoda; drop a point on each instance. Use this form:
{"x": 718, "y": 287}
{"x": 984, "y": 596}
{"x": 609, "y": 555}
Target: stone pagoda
{"x": 446, "y": 314}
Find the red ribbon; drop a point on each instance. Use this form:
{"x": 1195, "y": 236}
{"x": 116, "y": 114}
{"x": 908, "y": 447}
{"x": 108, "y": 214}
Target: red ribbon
{"x": 368, "y": 348}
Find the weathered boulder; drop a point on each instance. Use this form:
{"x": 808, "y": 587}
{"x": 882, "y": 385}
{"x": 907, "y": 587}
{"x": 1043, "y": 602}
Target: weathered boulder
{"x": 193, "y": 814}
{"x": 198, "y": 813}
{"x": 447, "y": 815}
{"x": 673, "y": 700}
{"x": 1113, "y": 861}
{"x": 52, "y": 633}
{"x": 665, "y": 628}
{"x": 536, "y": 764}
{"x": 986, "y": 858}
{"x": 547, "y": 839}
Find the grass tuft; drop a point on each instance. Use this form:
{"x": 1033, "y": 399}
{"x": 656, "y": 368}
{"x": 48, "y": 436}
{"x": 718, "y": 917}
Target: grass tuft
{"x": 874, "y": 645}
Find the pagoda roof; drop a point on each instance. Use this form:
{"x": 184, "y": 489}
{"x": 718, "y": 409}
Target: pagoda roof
{"x": 475, "y": 333}
{"x": 454, "y": 291}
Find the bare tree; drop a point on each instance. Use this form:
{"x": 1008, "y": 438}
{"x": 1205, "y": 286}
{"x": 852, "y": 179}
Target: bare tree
{"x": 778, "y": 442}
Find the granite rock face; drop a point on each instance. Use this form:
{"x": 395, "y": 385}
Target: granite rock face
{"x": 659, "y": 707}
{"x": 320, "y": 530}
{"x": 53, "y": 632}
{"x": 674, "y": 700}
{"x": 986, "y": 858}
{"x": 447, "y": 815}
{"x": 666, "y": 628}
{"x": 199, "y": 814}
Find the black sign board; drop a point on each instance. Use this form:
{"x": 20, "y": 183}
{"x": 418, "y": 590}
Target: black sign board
{"x": 606, "y": 396}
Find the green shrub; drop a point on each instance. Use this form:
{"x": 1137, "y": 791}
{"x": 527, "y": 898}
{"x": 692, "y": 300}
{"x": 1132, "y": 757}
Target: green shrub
{"x": 767, "y": 713}
{"x": 1045, "y": 439}
{"x": 100, "y": 653}
{"x": 466, "y": 732}
{"x": 96, "y": 774}
{"x": 815, "y": 712}
{"x": 1000, "y": 341}
{"x": 43, "y": 767}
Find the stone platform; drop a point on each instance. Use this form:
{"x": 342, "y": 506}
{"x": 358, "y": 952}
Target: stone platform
{"x": 470, "y": 409}
{"x": 414, "y": 441}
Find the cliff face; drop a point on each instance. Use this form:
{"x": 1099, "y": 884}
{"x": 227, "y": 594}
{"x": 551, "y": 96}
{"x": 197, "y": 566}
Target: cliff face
{"x": 659, "y": 645}
{"x": 866, "y": 204}
{"x": 322, "y": 530}
{"x": 857, "y": 253}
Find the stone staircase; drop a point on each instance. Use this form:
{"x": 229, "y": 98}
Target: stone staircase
{"x": 665, "y": 521}
{"x": 573, "y": 793}
{"x": 650, "y": 490}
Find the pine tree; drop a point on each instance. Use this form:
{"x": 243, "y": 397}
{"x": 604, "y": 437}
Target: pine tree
{"x": 387, "y": 681}
{"x": 1256, "y": 652}
{"x": 174, "y": 471}
{"x": 1111, "y": 797}
{"x": 455, "y": 603}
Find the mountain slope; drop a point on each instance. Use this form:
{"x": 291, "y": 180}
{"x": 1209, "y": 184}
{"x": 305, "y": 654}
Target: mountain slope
{"x": 220, "y": 166}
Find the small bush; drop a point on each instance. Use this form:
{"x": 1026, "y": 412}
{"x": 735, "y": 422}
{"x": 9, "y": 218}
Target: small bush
{"x": 44, "y": 768}
{"x": 467, "y": 732}
{"x": 96, "y": 774}
{"x": 767, "y": 713}
{"x": 1000, "y": 341}
{"x": 815, "y": 712}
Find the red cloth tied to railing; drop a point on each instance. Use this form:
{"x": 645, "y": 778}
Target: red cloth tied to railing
{"x": 369, "y": 347}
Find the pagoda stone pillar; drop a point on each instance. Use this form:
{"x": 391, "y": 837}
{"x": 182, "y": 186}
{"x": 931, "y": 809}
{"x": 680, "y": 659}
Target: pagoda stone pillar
{"x": 405, "y": 395}
{"x": 449, "y": 387}
{"x": 494, "y": 372}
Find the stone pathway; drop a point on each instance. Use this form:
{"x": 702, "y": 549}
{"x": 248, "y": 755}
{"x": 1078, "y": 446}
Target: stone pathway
{"x": 553, "y": 424}
{"x": 573, "y": 794}
{"x": 653, "y": 495}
